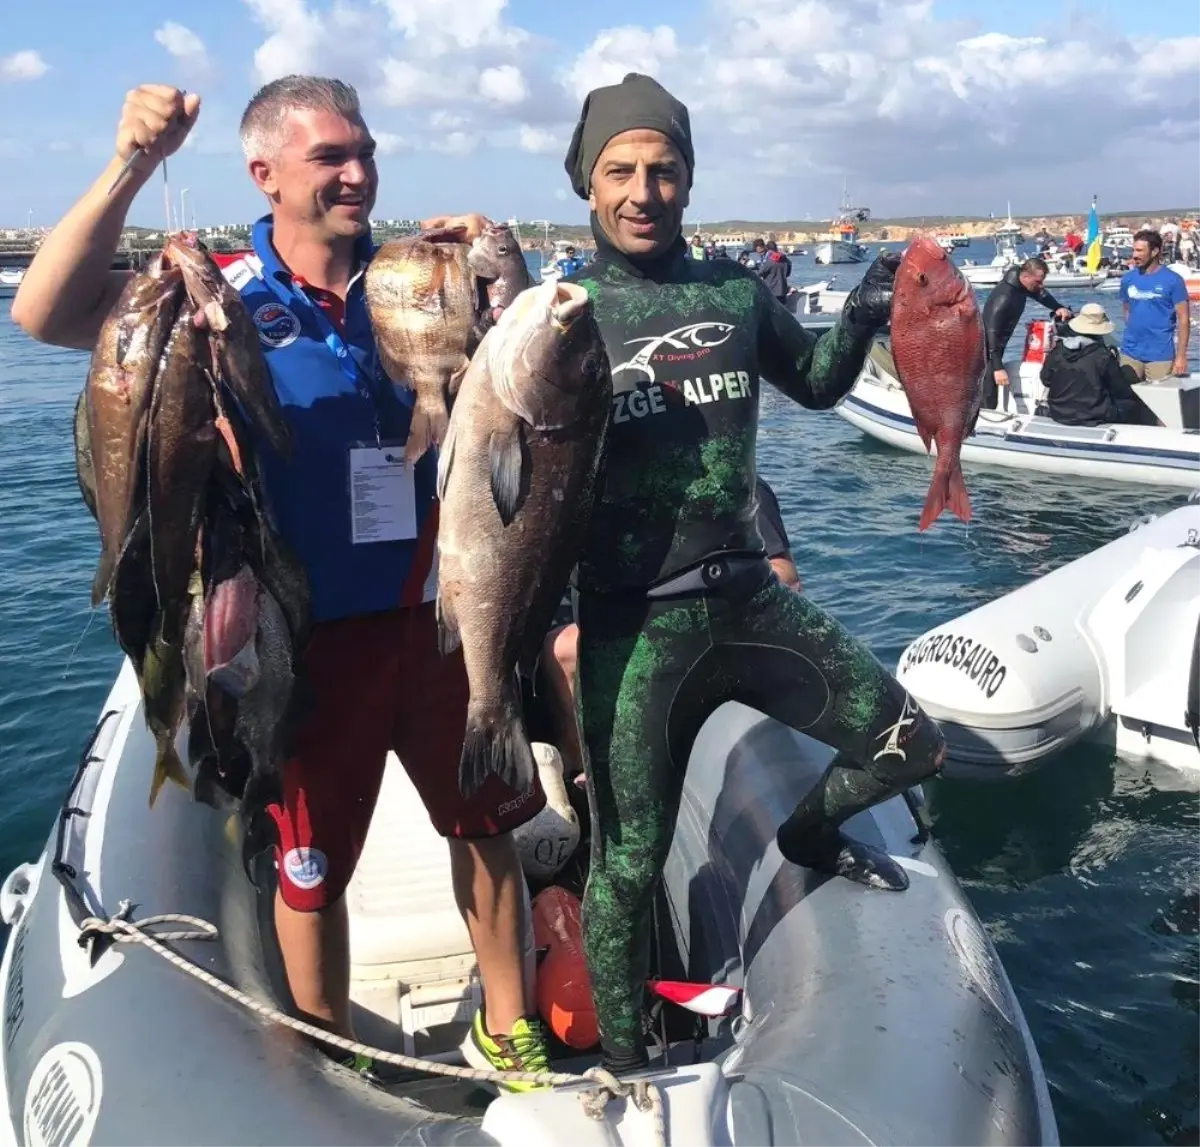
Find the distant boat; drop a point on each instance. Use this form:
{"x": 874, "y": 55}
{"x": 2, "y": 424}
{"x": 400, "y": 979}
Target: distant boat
{"x": 843, "y": 246}
{"x": 10, "y": 280}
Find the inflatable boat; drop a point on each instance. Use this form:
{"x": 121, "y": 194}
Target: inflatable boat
{"x": 848, "y": 1016}
{"x": 1017, "y": 436}
{"x": 1104, "y": 648}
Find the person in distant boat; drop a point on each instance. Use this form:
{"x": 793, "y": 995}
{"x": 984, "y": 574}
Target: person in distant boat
{"x": 376, "y": 678}
{"x": 569, "y": 263}
{"x": 1002, "y": 312}
{"x": 774, "y": 267}
{"x": 1085, "y": 384}
{"x": 679, "y": 609}
{"x": 550, "y": 687}
{"x": 697, "y": 250}
{"x": 1155, "y": 300}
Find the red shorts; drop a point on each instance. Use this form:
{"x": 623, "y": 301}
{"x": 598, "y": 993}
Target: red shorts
{"x": 378, "y": 682}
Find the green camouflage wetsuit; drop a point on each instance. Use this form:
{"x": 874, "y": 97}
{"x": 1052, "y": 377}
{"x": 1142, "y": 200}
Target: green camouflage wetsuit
{"x": 679, "y": 610}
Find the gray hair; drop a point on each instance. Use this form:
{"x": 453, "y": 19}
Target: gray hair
{"x": 264, "y": 116}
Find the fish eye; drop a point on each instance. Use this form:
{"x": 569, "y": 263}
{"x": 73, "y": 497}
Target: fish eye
{"x": 923, "y": 278}
{"x": 502, "y": 250}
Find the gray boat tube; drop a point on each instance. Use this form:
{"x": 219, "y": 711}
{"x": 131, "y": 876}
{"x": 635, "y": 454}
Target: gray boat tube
{"x": 866, "y": 1017}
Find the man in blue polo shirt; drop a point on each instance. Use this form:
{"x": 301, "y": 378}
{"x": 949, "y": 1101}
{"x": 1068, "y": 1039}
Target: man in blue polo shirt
{"x": 1156, "y": 313}
{"x": 362, "y": 522}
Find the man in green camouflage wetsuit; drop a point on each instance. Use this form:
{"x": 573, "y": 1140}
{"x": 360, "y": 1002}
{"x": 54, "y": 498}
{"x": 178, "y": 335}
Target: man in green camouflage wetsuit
{"x": 678, "y": 608}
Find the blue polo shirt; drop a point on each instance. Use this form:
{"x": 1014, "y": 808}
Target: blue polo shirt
{"x": 329, "y": 380}
{"x": 1152, "y": 299}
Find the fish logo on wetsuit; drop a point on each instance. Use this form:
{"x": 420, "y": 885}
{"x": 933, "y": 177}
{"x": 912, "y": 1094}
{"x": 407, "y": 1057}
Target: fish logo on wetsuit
{"x": 689, "y": 340}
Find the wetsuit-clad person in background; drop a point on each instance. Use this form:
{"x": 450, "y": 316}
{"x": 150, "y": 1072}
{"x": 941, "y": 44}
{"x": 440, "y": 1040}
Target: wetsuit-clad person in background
{"x": 678, "y": 608}
{"x": 1003, "y": 310}
{"x": 1085, "y": 383}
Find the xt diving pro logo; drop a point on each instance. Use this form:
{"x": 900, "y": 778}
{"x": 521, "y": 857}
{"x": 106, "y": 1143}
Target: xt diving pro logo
{"x": 684, "y": 344}
{"x": 305, "y": 867}
{"x": 277, "y": 326}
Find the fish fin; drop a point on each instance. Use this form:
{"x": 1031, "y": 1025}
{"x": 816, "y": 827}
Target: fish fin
{"x": 507, "y": 456}
{"x": 104, "y": 575}
{"x": 455, "y": 380}
{"x": 446, "y": 460}
{"x": 926, "y": 437}
{"x": 499, "y": 746}
{"x": 960, "y": 500}
{"x": 939, "y": 494}
{"x": 429, "y": 425}
{"x": 167, "y": 767}
{"x": 449, "y": 638}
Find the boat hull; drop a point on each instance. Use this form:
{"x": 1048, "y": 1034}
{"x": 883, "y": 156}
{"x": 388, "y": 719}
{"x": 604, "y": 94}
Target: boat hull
{"x": 839, "y": 252}
{"x": 1098, "y": 650}
{"x": 837, "y": 982}
{"x": 1144, "y": 455}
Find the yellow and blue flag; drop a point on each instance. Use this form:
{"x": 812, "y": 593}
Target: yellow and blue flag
{"x": 1093, "y": 240}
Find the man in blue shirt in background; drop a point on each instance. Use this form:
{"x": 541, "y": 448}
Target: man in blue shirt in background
{"x": 1156, "y": 309}
{"x": 376, "y": 678}
{"x": 569, "y": 263}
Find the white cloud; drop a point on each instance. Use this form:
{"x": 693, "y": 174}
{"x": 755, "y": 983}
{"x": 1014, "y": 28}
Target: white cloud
{"x": 26, "y": 65}
{"x": 616, "y": 52}
{"x": 539, "y": 140}
{"x": 503, "y": 84}
{"x": 441, "y": 26}
{"x": 389, "y": 143}
{"x": 457, "y": 143}
{"x": 404, "y": 84}
{"x": 184, "y": 45}
{"x": 915, "y": 111}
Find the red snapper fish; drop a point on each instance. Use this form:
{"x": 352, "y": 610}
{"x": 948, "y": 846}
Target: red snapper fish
{"x": 938, "y": 348}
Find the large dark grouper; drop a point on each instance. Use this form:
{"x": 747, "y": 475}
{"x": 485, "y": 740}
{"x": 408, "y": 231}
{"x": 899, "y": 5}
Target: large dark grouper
{"x": 517, "y": 480}
{"x": 204, "y": 598}
{"x": 938, "y": 348}
{"x": 236, "y": 356}
{"x": 120, "y": 384}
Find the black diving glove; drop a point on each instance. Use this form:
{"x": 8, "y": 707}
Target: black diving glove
{"x": 869, "y": 305}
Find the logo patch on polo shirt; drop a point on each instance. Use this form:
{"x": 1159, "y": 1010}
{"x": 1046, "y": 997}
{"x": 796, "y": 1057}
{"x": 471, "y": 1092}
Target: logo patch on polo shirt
{"x": 277, "y": 326}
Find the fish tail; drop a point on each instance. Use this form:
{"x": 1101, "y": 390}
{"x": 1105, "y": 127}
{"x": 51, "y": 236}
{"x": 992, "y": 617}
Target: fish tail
{"x": 946, "y": 488}
{"x": 167, "y": 766}
{"x": 960, "y": 500}
{"x": 938, "y": 496}
{"x": 429, "y": 424}
{"x": 496, "y": 743}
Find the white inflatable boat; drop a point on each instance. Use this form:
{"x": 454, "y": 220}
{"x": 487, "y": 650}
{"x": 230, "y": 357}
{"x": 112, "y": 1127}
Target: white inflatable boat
{"x": 860, "y": 1017}
{"x": 1015, "y": 436}
{"x": 1104, "y": 648}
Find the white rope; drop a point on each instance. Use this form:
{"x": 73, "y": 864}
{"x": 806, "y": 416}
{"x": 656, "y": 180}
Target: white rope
{"x": 644, "y": 1095}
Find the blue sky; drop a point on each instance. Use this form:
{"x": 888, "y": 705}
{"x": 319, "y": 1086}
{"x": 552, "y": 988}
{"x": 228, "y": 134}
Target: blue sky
{"x": 923, "y": 106}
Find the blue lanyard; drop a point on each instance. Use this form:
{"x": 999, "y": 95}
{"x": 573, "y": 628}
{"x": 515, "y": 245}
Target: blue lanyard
{"x": 351, "y": 367}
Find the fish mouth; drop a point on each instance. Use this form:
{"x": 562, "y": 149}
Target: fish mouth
{"x": 569, "y": 302}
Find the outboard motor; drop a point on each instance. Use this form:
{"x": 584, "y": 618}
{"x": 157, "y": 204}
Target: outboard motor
{"x": 1040, "y": 336}
{"x": 1191, "y": 715}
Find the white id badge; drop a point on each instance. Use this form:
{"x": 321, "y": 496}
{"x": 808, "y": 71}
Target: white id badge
{"x": 383, "y": 498}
